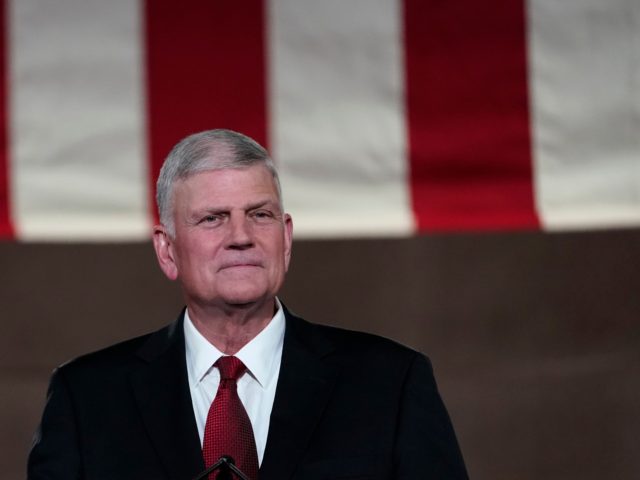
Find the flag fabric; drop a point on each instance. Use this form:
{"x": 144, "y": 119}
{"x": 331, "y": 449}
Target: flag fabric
{"x": 385, "y": 117}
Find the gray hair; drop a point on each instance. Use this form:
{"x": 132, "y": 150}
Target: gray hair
{"x": 209, "y": 150}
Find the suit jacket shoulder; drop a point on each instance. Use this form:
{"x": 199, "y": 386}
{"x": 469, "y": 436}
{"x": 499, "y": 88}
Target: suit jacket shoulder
{"x": 128, "y": 351}
{"x": 122, "y": 412}
{"x": 355, "y": 404}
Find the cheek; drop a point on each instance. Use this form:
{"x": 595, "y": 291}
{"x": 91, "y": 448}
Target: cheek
{"x": 195, "y": 258}
{"x": 281, "y": 259}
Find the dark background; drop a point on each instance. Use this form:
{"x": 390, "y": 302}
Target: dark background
{"x": 535, "y": 337}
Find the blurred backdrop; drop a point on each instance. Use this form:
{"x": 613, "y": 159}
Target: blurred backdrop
{"x": 463, "y": 178}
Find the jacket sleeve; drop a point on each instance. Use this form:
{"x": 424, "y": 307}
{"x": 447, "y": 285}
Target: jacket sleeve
{"x": 55, "y": 451}
{"x": 426, "y": 446}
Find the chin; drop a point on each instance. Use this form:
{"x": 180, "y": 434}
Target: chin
{"x": 244, "y": 298}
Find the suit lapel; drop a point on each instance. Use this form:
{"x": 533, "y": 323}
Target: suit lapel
{"x": 304, "y": 387}
{"x": 161, "y": 389}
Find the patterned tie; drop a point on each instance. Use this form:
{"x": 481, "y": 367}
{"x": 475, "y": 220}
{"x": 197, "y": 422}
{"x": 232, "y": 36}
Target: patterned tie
{"x": 228, "y": 430}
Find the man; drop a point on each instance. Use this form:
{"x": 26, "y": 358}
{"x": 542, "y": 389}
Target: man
{"x": 238, "y": 374}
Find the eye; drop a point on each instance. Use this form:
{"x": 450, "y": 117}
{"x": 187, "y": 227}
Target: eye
{"x": 262, "y": 215}
{"x": 210, "y": 219}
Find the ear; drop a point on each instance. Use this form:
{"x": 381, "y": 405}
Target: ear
{"x": 163, "y": 245}
{"x": 288, "y": 239}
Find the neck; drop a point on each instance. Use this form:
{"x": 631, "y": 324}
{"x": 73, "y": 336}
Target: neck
{"x": 233, "y": 326}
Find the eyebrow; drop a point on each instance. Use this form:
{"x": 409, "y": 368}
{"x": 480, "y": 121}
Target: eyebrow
{"x": 226, "y": 208}
{"x": 264, "y": 203}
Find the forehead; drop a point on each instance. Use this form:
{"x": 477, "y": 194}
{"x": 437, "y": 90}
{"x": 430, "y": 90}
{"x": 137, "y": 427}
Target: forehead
{"x": 236, "y": 183}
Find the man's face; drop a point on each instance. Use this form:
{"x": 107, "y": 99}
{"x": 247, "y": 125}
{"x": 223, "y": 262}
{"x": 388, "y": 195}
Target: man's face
{"x": 232, "y": 242}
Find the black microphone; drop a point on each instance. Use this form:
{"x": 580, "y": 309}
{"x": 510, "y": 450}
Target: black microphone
{"x": 227, "y": 466}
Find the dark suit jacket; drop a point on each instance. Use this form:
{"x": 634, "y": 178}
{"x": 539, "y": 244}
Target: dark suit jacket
{"x": 347, "y": 405}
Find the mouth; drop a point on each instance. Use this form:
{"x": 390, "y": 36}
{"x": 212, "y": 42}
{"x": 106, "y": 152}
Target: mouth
{"x": 239, "y": 265}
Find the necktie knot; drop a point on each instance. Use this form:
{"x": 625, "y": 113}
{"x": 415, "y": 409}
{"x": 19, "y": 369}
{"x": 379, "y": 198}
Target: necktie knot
{"x": 230, "y": 368}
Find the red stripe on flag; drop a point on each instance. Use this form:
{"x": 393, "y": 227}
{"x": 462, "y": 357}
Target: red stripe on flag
{"x": 205, "y": 69}
{"x": 468, "y": 115}
{"x": 6, "y": 228}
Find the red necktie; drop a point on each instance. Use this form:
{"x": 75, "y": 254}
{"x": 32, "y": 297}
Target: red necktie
{"x": 228, "y": 430}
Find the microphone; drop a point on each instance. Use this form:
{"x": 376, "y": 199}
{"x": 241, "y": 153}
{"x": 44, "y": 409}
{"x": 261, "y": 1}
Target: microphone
{"x": 227, "y": 466}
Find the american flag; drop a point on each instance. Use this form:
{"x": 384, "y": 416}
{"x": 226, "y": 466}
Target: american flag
{"x": 386, "y": 117}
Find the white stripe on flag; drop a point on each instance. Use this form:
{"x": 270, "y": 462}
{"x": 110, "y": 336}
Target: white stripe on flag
{"x": 337, "y": 116}
{"x": 77, "y": 136}
{"x": 585, "y": 82}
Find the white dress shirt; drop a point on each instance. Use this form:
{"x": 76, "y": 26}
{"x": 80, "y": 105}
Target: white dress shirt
{"x": 256, "y": 387}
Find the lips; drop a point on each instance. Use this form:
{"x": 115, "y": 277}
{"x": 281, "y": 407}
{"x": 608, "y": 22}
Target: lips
{"x": 241, "y": 262}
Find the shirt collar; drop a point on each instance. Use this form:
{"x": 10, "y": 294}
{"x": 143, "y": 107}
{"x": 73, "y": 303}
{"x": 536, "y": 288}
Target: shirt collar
{"x": 258, "y": 355}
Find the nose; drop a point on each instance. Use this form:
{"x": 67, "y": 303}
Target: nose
{"x": 240, "y": 235}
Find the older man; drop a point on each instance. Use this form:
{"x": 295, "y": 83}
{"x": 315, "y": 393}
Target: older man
{"x": 237, "y": 375}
